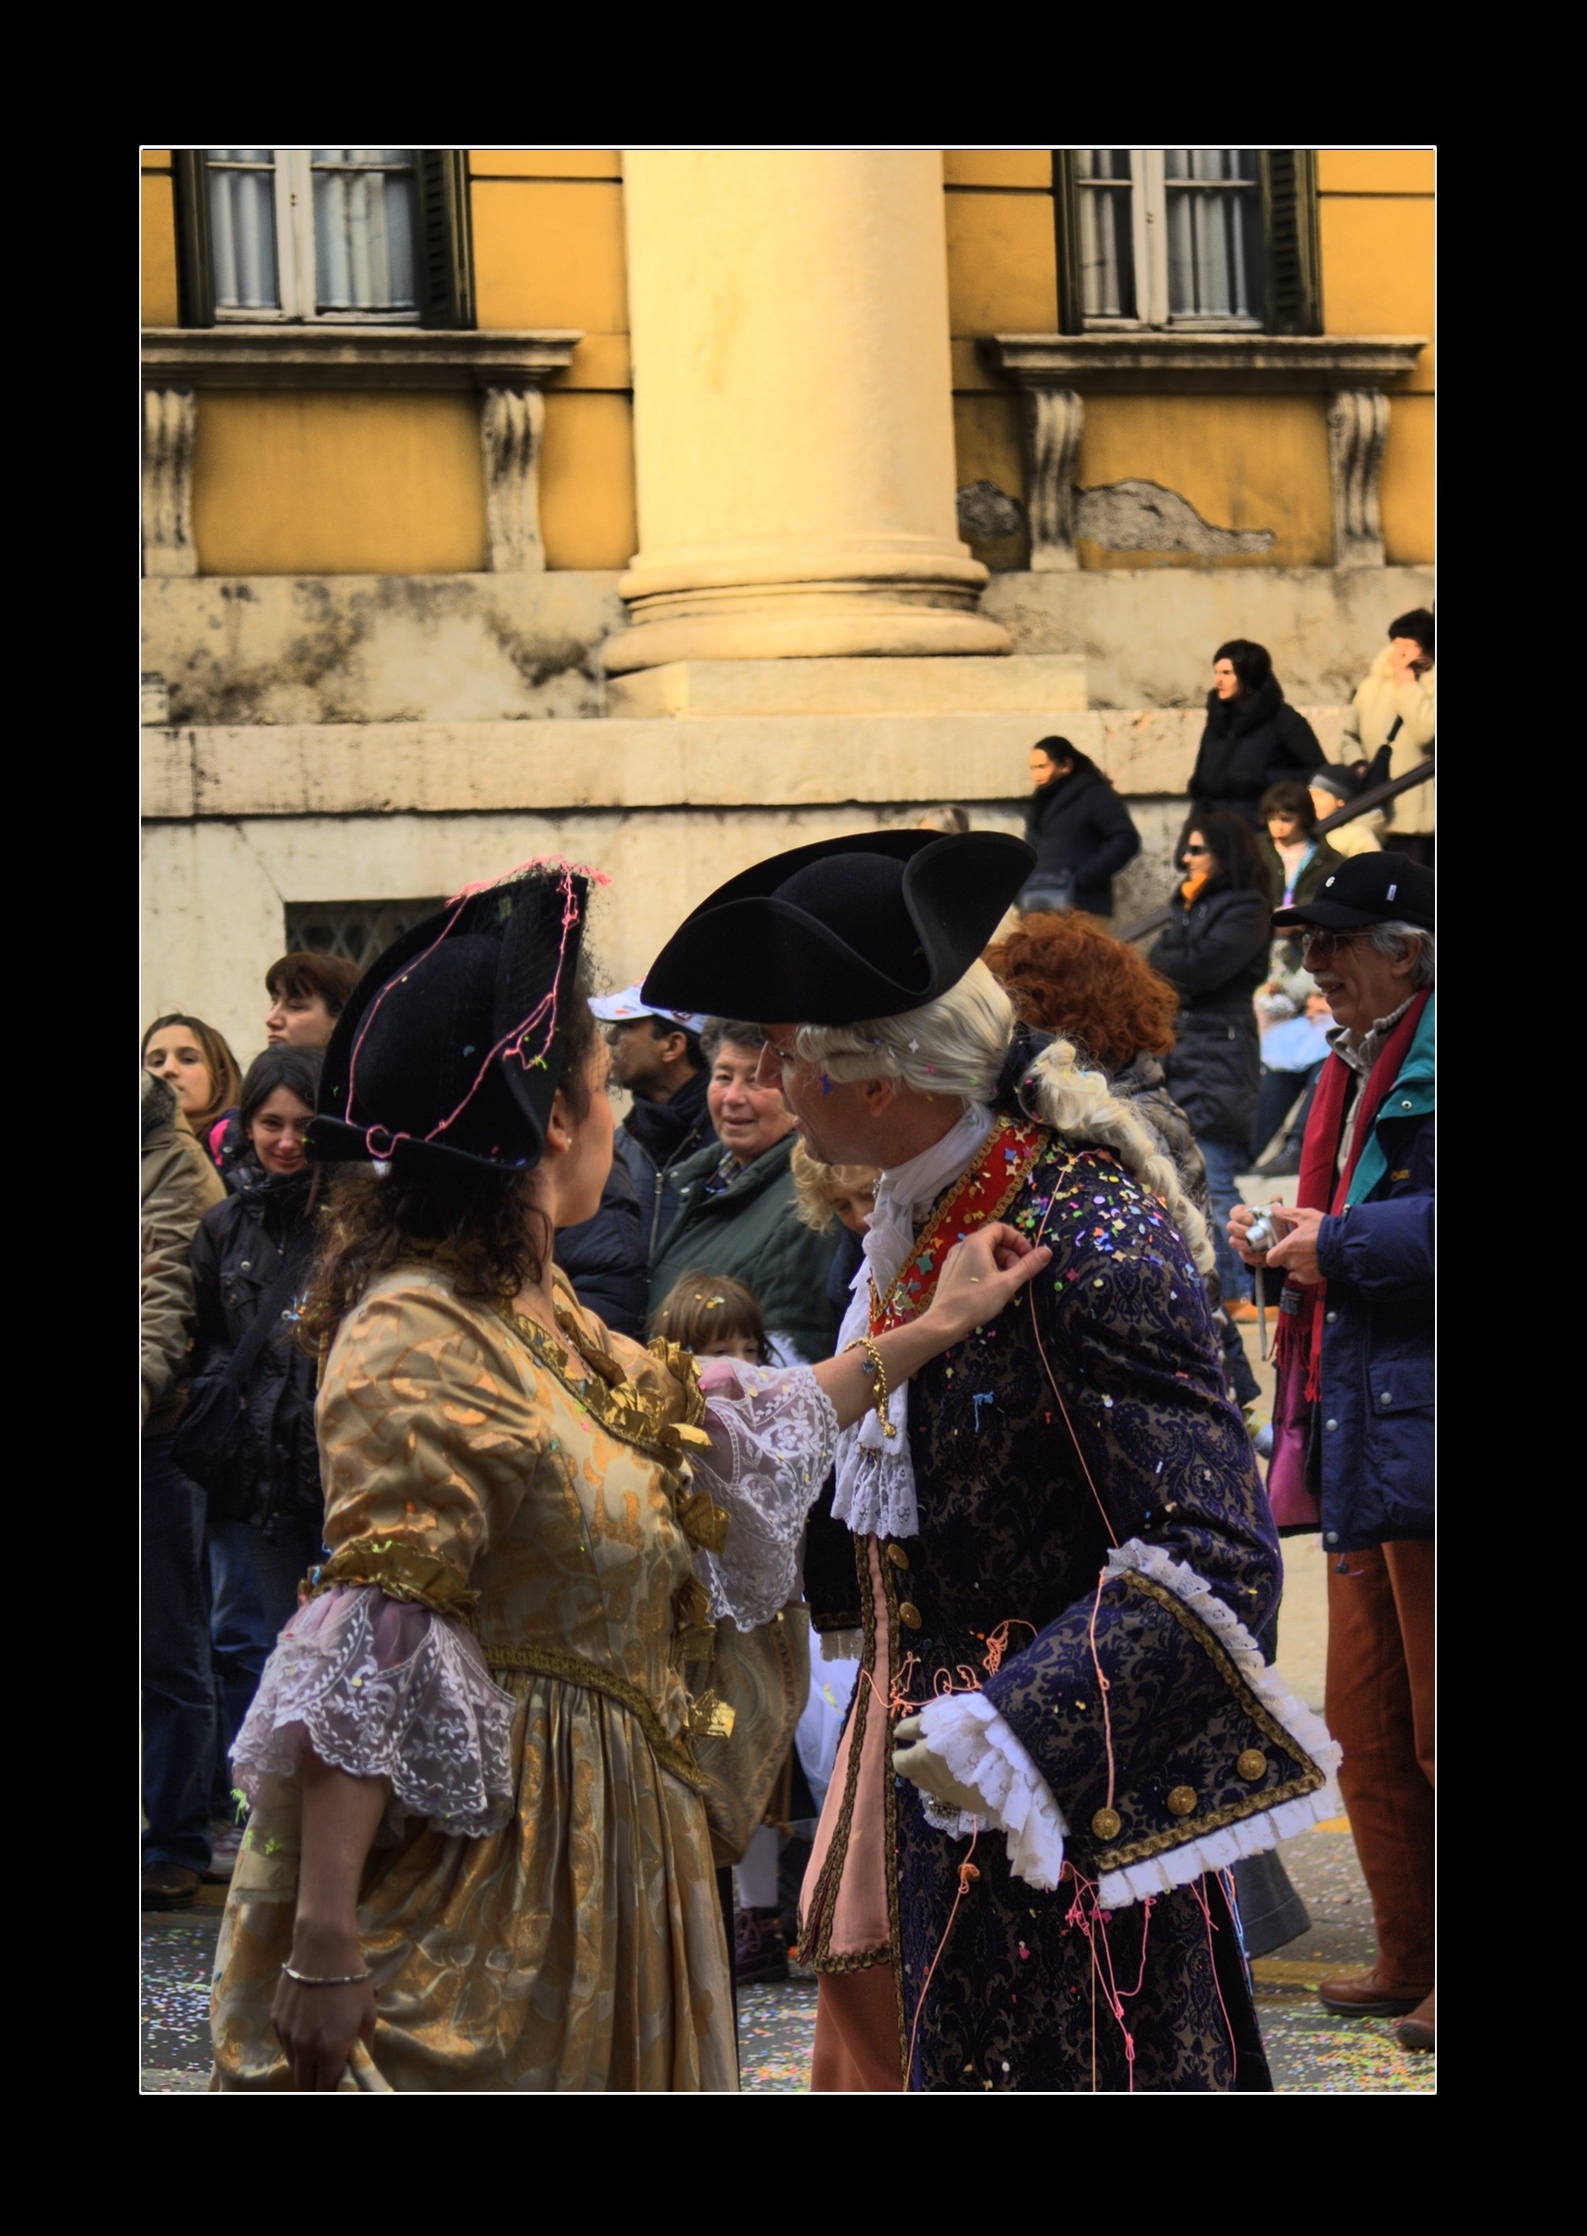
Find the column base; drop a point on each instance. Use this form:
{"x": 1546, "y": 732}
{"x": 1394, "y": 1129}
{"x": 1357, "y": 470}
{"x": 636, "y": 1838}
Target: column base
{"x": 803, "y": 623}
{"x": 1034, "y": 684}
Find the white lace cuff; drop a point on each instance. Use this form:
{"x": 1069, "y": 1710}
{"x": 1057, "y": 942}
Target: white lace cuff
{"x": 971, "y": 1739}
{"x": 772, "y": 1430}
{"x": 382, "y": 1688}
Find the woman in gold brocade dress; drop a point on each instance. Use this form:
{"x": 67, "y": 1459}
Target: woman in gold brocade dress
{"x": 478, "y": 1855}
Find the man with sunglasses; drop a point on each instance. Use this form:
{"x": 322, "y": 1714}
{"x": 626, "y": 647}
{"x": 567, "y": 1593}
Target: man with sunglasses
{"x": 1354, "y": 1410}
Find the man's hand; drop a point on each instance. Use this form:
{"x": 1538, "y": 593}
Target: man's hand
{"x": 1296, "y": 1253}
{"x": 914, "y": 1760}
{"x": 1239, "y": 1226}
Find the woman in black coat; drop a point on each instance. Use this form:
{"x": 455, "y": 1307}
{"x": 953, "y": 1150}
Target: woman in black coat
{"x": 1081, "y": 831}
{"x": 265, "y": 1228}
{"x": 1214, "y": 953}
{"x": 1252, "y": 738}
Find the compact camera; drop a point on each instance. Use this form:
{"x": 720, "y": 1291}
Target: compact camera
{"x": 1262, "y": 1234}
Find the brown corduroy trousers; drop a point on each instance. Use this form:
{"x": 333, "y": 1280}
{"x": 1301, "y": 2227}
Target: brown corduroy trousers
{"x": 1380, "y": 1709}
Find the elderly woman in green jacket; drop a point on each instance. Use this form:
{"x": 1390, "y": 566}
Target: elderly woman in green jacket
{"x": 738, "y": 1213}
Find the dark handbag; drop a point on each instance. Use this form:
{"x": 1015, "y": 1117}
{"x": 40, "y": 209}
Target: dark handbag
{"x": 211, "y": 1438}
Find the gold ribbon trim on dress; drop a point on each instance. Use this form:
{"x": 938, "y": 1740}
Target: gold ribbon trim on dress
{"x": 572, "y": 1669}
{"x": 402, "y": 1570}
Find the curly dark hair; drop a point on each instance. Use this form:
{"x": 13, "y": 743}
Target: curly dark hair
{"x": 1065, "y": 974}
{"x": 479, "y": 1219}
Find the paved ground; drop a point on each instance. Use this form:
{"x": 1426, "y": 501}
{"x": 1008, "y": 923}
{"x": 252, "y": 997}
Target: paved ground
{"x": 1312, "y": 2052}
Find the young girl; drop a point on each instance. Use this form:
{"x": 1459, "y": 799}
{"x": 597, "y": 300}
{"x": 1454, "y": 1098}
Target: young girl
{"x": 715, "y": 1318}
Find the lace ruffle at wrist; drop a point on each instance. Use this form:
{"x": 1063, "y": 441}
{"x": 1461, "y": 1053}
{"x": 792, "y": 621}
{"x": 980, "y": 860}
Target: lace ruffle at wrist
{"x": 772, "y": 1431}
{"x": 383, "y": 1688}
{"x": 972, "y": 1740}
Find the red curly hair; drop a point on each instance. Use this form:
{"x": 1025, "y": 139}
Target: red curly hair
{"x": 1065, "y": 974}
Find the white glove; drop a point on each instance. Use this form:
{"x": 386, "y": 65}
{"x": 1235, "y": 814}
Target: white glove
{"x": 914, "y": 1760}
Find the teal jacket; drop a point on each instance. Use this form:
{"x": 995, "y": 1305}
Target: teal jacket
{"x": 750, "y": 1232}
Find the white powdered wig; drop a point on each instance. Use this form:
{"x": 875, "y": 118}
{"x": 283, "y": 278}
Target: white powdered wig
{"x": 955, "y": 1047}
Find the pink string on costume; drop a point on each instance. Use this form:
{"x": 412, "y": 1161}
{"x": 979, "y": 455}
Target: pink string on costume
{"x": 1206, "y": 1912}
{"x": 512, "y": 1042}
{"x": 997, "y": 1642}
{"x": 1087, "y": 1915}
{"x": 968, "y": 1872}
{"x": 1030, "y": 1291}
{"x": 1103, "y": 1685}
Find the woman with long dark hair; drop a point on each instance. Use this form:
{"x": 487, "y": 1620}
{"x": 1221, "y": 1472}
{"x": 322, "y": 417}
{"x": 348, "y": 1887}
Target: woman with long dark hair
{"x": 479, "y": 1855}
{"x": 1080, "y": 828}
{"x": 244, "y": 1251}
{"x": 1252, "y": 737}
{"x": 1214, "y": 954}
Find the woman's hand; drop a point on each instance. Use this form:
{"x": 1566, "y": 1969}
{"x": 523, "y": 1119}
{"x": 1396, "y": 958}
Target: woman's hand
{"x": 317, "y": 2027}
{"x": 979, "y": 1276}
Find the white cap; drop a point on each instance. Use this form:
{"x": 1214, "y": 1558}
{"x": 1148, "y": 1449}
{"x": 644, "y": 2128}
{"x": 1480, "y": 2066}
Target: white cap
{"x": 621, "y": 1009}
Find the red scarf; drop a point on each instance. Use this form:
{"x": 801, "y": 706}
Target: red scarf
{"x": 1300, "y": 1319}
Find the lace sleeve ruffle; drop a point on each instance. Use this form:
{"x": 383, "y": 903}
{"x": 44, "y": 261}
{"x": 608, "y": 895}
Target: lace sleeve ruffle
{"x": 383, "y": 1688}
{"x": 772, "y": 1431}
{"x": 968, "y": 1735}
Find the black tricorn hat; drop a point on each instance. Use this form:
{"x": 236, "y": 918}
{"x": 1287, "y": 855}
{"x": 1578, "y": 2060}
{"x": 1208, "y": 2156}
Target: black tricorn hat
{"x": 1367, "y": 889}
{"x": 854, "y": 928}
{"x": 447, "y": 1055}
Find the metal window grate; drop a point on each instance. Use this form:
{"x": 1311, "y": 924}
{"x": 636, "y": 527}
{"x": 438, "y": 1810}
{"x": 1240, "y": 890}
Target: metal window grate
{"x": 357, "y": 931}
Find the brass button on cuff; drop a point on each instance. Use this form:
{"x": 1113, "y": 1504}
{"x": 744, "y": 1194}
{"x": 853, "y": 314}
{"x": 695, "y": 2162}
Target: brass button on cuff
{"x": 1107, "y": 1824}
{"x": 1251, "y": 1765}
{"x": 898, "y": 1557}
{"x": 909, "y": 1613}
{"x": 1182, "y": 1801}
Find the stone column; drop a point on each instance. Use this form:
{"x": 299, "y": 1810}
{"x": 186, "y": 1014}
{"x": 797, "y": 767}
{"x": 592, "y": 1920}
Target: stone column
{"x": 793, "y": 409}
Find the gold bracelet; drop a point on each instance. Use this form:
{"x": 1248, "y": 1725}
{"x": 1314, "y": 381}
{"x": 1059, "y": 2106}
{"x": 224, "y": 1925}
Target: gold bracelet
{"x": 875, "y": 1369}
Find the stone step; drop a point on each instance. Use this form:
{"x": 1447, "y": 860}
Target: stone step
{"x": 1020, "y": 683}
{"x": 663, "y": 761}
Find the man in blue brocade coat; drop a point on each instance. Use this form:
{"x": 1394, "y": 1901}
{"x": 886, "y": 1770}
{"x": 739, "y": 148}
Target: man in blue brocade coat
{"x": 1063, "y": 1733}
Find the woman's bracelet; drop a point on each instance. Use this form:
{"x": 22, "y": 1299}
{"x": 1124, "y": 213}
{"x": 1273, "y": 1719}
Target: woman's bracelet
{"x": 878, "y": 1374}
{"x": 332, "y": 1980}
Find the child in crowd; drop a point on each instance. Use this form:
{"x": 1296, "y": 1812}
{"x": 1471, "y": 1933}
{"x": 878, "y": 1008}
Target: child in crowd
{"x": 715, "y": 1318}
{"x": 828, "y": 1192}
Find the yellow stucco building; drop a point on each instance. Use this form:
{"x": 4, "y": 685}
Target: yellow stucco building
{"x": 664, "y": 507}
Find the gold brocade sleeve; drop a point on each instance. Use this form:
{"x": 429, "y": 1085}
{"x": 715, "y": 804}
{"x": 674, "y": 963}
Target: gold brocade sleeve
{"x": 427, "y": 1438}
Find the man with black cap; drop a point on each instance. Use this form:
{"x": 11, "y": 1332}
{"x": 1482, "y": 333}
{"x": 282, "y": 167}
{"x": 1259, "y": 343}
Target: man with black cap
{"x": 1354, "y": 1413}
{"x": 1064, "y": 1731}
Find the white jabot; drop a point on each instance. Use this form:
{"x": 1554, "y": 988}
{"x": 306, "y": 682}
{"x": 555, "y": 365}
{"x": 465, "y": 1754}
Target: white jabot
{"x": 876, "y": 1477}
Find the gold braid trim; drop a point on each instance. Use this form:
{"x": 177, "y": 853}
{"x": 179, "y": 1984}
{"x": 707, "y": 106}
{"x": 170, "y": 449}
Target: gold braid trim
{"x": 402, "y": 1570}
{"x": 1213, "y": 1820}
{"x": 633, "y": 1415}
{"x": 549, "y": 1661}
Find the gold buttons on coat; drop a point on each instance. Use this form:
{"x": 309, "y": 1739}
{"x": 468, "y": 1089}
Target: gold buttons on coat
{"x": 898, "y": 1557}
{"x": 1107, "y": 1824}
{"x": 909, "y": 1613}
{"x": 1251, "y": 1765}
{"x": 1182, "y": 1801}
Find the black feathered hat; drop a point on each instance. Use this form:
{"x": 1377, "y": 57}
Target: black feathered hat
{"x": 447, "y": 1054}
{"x": 853, "y": 928}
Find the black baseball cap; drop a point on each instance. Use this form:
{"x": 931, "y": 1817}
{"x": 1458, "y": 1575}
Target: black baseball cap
{"x": 1367, "y": 889}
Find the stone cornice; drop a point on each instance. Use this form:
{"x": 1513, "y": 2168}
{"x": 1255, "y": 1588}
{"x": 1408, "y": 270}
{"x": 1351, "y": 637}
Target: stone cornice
{"x": 1216, "y": 363}
{"x": 334, "y": 356}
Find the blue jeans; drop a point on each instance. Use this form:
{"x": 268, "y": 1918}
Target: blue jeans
{"x": 1224, "y": 1162}
{"x": 178, "y": 1692}
{"x": 280, "y": 1563}
{"x": 239, "y": 1643}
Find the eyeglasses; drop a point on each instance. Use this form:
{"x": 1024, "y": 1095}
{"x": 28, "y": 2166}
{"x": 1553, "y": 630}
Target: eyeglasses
{"x": 1325, "y": 944}
{"x": 1198, "y": 849}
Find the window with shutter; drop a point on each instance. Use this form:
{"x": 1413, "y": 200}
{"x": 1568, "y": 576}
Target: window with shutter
{"x": 1217, "y": 239}
{"x": 324, "y": 235}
